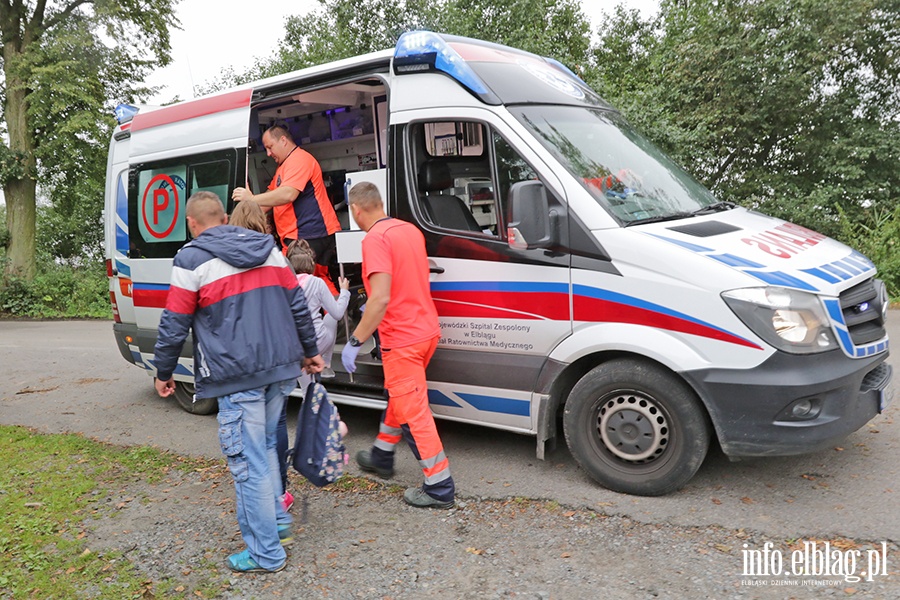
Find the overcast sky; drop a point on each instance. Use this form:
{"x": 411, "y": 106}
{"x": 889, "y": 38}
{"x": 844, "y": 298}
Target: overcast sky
{"x": 217, "y": 34}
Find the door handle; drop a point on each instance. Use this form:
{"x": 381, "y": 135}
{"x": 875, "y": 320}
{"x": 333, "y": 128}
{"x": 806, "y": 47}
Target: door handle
{"x": 436, "y": 269}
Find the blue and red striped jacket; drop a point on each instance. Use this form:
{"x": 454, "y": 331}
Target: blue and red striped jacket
{"x": 251, "y": 326}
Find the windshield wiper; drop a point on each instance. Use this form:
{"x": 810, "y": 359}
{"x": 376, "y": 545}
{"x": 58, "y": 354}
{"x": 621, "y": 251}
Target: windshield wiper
{"x": 715, "y": 207}
{"x": 660, "y": 219}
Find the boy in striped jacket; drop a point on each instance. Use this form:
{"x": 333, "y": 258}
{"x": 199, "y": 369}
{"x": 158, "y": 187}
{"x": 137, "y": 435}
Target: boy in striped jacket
{"x": 252, "y": 336}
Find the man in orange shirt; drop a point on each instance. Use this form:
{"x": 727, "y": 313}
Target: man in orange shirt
{"x": 395, "y": 273}
{"x": 297, "y": 196}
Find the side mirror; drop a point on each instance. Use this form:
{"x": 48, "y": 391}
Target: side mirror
{"x": 530, "y": 223}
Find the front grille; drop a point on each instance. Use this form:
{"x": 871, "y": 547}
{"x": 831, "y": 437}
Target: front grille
{"x": 863, "y": 310}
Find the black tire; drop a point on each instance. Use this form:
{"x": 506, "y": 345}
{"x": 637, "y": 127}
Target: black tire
{"x": 636, "y": 428}
{"x": 184, "y": 395}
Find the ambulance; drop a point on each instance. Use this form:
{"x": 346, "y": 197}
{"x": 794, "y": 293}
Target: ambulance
{"x": 588, "y": 288}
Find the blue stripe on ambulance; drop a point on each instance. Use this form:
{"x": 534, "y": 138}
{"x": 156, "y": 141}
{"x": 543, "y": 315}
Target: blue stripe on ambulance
{"x": 159, "y": 287}
{"x": 122, "y": 244}
{"x": 782, "y": 279}
{"x": 493, "y": 404}
{"x": 499, "y": 286}
{"x": 441, "y": 399}
{"x": 610, "y": 296}
{"x": 743, "y": 265}
{"x": 146, "y": 361}
{"x": 841, "y": 270}
{"x": 123, "y": 269}
{"x": 861, "y": 260}
{"x": 817, "y": 272}
{"x": 506, "y": 406}
{"x": 585, "y": 291}
{"x": 736, "y": 261}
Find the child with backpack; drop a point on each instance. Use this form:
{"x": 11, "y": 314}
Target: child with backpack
{"x": 319, "y": 452}
{"x": 319, "y": 297}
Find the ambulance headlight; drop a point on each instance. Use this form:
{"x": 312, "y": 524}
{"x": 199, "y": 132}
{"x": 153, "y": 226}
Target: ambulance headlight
{"x": 790, "y": 320}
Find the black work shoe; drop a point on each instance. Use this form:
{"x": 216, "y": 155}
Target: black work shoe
{"x": 364, "y": 460}
{"x": 419, "y": 498}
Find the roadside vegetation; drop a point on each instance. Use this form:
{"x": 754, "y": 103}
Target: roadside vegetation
{"x": 49, "y": 486}
{"x": 790, "y": 107}
{"x": 55, "y": 488}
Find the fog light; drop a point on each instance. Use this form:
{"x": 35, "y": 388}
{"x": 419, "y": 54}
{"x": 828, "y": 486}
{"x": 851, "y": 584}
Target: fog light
{"x": 805, "y": 409}
{"x": 802, "y": 408}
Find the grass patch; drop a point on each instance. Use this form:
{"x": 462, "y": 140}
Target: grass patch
{"x": 346, "y": 483}
{"x": 49, "y": 485}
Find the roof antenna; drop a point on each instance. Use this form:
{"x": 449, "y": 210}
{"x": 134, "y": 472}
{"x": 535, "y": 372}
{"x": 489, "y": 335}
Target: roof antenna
{"x": 191, "y": 77}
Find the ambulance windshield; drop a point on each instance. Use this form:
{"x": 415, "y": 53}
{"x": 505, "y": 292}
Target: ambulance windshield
{"x": 631, "y": 178}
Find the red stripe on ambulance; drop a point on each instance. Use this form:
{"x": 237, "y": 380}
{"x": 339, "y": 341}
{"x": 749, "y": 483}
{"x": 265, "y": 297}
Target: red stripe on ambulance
{"x": 192, "y": 109}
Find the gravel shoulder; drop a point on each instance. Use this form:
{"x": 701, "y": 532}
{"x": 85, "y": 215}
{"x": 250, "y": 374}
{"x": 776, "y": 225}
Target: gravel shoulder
{"x": 361, "y": 541}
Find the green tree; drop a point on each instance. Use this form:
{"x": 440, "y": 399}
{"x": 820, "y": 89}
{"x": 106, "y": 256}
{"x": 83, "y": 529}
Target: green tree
{"x": 553, "y": 28}
{"x": 345, "y": 28}
{"x": 787, "y": 105}
{"x": 62, "y": 61}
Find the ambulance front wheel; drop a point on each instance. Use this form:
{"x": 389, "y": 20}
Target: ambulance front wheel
{"x": 184, "y": 395}
{"x": 636, "y": 428}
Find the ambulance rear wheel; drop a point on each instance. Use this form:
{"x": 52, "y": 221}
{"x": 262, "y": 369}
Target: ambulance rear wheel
{"x": 636, "y": 428}
{"x": 184, "y": 395}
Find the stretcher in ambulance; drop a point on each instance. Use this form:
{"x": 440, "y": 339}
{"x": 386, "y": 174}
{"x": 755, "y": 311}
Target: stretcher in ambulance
{"x": 588, "y": 288}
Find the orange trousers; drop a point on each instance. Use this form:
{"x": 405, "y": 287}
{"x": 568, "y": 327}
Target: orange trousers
{"x": 408, "y": 415}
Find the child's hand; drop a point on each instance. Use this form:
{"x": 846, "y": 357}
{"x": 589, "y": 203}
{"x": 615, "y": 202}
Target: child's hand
{"x": 344, "y": 283}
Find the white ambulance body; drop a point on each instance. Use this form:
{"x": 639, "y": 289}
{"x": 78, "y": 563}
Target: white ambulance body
{"x": 579, "y": 275}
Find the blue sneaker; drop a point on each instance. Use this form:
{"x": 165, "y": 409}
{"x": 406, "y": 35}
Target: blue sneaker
{"x": 285, "y": 535}
{"x": 242, "y": 563}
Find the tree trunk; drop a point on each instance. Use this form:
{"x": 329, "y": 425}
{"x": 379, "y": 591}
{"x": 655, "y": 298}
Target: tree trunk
{"x": 20, "y": 192}
{"x": 21, "y": 220}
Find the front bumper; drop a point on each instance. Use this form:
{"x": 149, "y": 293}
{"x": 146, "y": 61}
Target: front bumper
{"x": 751, "y": 409}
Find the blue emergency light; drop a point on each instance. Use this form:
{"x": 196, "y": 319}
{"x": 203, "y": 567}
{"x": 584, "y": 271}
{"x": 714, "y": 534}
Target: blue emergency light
{"x": 125, "y": 113}
{"x": 422, "y": 51}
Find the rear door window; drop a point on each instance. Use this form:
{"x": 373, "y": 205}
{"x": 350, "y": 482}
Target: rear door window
{"x": 158, "y": 193}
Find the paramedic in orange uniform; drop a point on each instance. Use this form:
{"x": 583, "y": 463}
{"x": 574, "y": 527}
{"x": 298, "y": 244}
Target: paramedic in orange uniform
{"x": 297, "y": 197}
{"x": 395, "y": 273}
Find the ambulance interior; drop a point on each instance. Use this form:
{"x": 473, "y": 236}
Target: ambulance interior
{"x": 345, "y": 128}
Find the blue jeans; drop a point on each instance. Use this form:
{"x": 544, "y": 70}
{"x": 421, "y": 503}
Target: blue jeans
{"x": 247, "y": 424}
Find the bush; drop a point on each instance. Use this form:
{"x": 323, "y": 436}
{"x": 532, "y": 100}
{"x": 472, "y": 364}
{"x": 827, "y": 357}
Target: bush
{"x": 57, "y": 291}
{"x": 877, "y": 235}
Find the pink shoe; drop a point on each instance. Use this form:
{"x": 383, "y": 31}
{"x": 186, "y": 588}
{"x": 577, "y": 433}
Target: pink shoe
{"x": 287, "y": 500}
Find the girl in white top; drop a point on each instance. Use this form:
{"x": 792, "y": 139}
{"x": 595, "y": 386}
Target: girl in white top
{"x": 319, "y": 297}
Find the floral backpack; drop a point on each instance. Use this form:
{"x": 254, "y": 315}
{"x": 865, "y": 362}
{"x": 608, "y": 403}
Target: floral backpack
{"x": 319, "y": 453}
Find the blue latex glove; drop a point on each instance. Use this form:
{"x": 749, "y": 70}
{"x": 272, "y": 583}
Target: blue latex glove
{"x": 348, "y": 357}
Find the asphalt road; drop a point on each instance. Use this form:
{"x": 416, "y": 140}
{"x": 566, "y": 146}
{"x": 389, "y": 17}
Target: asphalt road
{"x": 68, "y": 376}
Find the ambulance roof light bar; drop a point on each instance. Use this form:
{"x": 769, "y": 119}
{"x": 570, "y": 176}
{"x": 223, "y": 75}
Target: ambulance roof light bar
{"x": 125, "y": 113}
{"x": 424, "y": 51}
